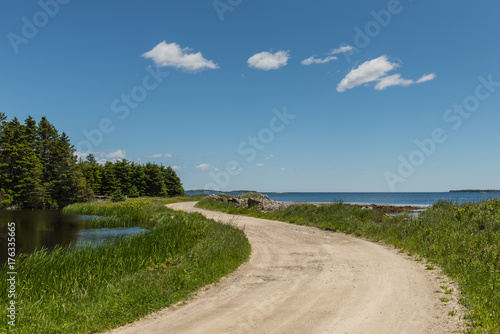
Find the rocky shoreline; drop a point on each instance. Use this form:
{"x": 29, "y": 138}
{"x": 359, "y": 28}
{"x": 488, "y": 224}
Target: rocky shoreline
{"x": 264, "y": 203}
{"x": 390, "y": 209}
{"x": 251, "y": 200}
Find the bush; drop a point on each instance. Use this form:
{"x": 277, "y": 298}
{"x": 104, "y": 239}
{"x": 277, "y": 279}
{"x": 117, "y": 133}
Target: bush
{"x": 117, "y": 196}
{"x": 133, "y": 193}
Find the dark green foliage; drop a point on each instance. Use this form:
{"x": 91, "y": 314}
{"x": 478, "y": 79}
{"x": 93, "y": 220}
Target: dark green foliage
{"x": 134, "y": 192}
{"x": 172, "y": 182}
{"x": 92, "y": 172}
{"x": 131, "y": 179}
{"x": 117, "y": 196}
{"x": 37, "y": 166}
{"x": 39, "y": 169}
{"x": 109, "y": 183}
{"x": 155, "y": 181}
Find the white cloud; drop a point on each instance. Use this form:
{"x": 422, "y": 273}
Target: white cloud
{"x": 269, "y": 61}
{"x": 270, "y": 156}
{"x": 313, "y": 60}
{"x": 236, "y": 169}
{"x": 118, "y": 154}
{"x": 216, "y": 169}
{"x": 287, "y": 168}
{"x": 260, "y": 164}
{"x": 160, "y": 155}
{"x": 81, "y": 155}
{"x": 341, "y": 49}
{"x": 172, "y": 55}
{"x": 426, "y": 77}
{"x": 176, "y": 167}
{"x": 376, "y": 70}
{"x": 392, "y": 80}
{"x": 369, "y": 71}
{"x": 203, "y": 167}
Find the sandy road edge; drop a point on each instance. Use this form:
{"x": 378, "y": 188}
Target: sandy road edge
{"x": 155, "y": 322}
{"x": 452, "y": 308}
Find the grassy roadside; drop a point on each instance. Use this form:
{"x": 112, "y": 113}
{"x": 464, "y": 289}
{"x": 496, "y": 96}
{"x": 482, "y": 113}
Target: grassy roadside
{"x": 464, "y": 240}
{"x": 92, "y": 289}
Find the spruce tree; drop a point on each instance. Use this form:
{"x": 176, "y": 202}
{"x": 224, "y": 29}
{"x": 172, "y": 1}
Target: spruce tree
{"x": 139, "y": 179}
{"x": 37, "y": 166}
{"x": 109, "y": 182}
{"x": 173, "y": 182}
{"x": 70, "y": 185}
{"x": 30, "y": 191}
{"x": 92, "y": 172}
{"x": 47, "y": 138}
{"x": 20, "y": 168}
{"x": 155, "y": 181}
{"x": 123, "y": 173}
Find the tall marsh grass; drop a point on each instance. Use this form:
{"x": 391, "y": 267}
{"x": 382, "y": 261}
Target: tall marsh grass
{"x": 91, "y": 289}
{"x": 463, "y": 239}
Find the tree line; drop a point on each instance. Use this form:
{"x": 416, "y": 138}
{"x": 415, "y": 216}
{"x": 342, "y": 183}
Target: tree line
{"x": 131, "y": 179}
{"x": 39, "y": 169}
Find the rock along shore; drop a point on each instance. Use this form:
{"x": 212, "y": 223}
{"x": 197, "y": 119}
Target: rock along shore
{"x": 264, "y": 203}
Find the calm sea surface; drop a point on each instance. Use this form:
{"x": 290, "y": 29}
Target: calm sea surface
{"x": 424, "y": 199}
{"x": 392, "y": 198}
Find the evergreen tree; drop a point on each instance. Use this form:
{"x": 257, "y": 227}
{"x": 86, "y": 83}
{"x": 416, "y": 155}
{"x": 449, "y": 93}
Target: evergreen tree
{"x": 4, "y": 197}
{"x": 29, "y": 191}
{"x": 172, "y": 182}
{"x": 47, "y": 137}
{"x": 20, "y": 168}
{"x": 70, "y": 185}
{"x": 9, "y": 154}
{"x": 92, "y": 172}
{"x": 123, "y": 173}
{"x": 139, "y": 179}
{"x": 109, "y": 182}
{"x": 37, "y": 166}
{"x": 155, "y": 181}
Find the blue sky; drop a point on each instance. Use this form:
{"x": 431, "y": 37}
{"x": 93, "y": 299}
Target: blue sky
{"x": 267, "y": 95}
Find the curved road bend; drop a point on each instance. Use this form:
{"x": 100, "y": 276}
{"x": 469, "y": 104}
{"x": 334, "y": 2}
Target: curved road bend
{"x": 305, "y": 280}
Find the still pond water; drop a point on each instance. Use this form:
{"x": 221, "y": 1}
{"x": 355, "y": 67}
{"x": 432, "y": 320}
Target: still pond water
{"x": 47, "y": 228}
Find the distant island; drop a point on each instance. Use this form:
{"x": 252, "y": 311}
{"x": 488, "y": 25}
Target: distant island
{"x": 475, "y": 191}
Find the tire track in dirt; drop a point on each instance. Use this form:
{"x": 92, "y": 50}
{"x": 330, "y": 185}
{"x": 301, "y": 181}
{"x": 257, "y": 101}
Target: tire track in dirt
{"x": 305, "y": 280}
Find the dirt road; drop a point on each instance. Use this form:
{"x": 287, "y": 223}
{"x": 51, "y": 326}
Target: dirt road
{"x": 306, "y": 280}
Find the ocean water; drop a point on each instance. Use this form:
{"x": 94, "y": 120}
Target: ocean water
{"x": 392, "y": 198}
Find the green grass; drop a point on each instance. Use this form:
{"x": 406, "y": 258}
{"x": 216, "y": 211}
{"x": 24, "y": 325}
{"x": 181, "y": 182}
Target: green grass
{"x": 464, "y": 240}
{"x": 92, "y": 289}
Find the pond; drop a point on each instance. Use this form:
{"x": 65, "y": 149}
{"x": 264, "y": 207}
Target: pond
{"x": 47, "y": 228}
